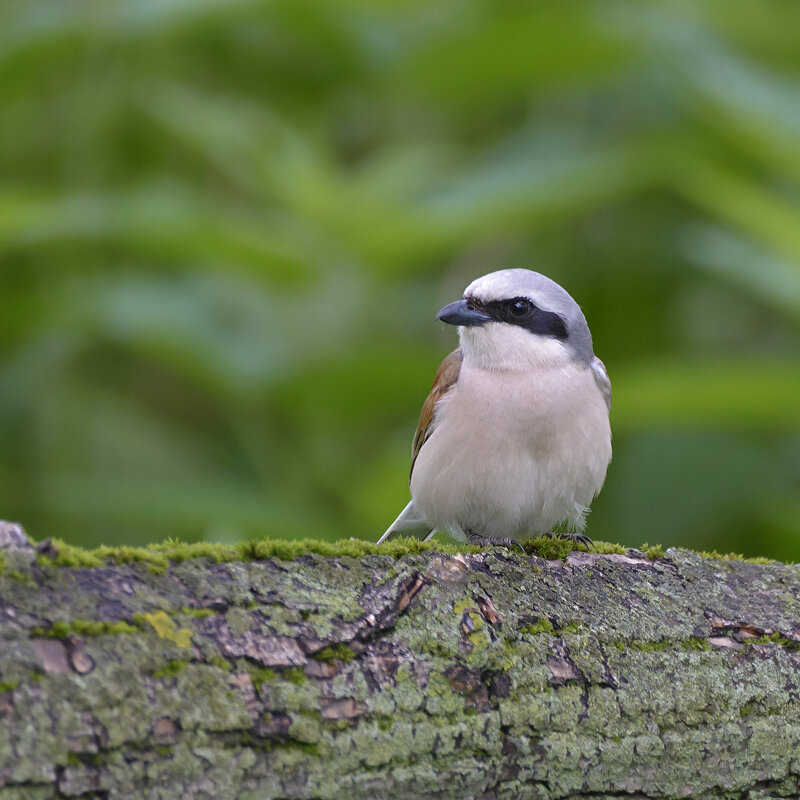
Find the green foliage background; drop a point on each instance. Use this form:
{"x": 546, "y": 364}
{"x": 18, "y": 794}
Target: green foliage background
{"x": 226, "y": 227}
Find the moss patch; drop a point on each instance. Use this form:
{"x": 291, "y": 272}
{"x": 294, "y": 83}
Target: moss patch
{"x": 737, "y": 557}
{"x": 199, "y": 613}
{"x": 295, "y": 675}
{"x": 608, "y": 548}
{"x": 167, "y": 629}
{"x": 559, "y": 549}
{"x": 775, "y": 638}
{"x": 545, "y": 547}
{"x": 160, "y": 555}
{"x": 21, "y": 577}
{"x": 653, "y": 551}
{"x": 259, "y": 676}
{"x": 339, "y": 651}
{"x": 690, "y": 643}
{"x": 220, "y": 662}
{"x": 535, "y": 628}
{"x": 170, "y": 669}
{"x": 85, "y": 627}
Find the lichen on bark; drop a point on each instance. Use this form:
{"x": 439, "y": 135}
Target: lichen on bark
{"x": 413, "y": 674}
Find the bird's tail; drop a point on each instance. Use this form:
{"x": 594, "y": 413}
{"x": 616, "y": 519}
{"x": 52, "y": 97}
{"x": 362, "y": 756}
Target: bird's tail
{"x": 409, "y": 523}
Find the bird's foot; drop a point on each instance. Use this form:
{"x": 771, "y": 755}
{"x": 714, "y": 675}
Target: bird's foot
{"x": 485, "y": 541}
{"x": 578, "y": 538}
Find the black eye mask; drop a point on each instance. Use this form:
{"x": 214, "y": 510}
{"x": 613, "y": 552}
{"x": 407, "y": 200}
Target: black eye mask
{"x": 522, "y": 312}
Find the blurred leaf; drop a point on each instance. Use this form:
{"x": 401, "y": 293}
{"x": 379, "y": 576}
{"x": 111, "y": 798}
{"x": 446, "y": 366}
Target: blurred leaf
{"x": 760, "y": 273}
{"x": 748, "y": 395}
{"x": 512, "y": 50}
{"x": 696, "y": 489}
{"x": 159, "y": 222}
{"x": 765, "y": 213}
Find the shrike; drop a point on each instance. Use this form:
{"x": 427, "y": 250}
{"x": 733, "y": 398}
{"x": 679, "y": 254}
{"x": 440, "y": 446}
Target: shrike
{"x": 514, "y": 437}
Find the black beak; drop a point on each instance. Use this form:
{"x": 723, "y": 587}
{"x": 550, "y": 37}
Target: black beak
{"x": 462, "y": 312}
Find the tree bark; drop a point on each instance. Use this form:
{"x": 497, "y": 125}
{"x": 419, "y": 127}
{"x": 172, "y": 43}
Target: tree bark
{"x": 487, "y": 675}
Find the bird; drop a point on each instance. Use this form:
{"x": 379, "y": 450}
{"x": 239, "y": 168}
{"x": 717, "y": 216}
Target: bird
{"x": 514, "y": 439}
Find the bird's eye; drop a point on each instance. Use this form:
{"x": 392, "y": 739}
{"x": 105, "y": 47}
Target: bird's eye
{"x": 519, "y": 308}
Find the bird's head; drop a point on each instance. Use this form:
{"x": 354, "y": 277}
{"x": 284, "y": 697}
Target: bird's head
{"x": 515, "y": 319}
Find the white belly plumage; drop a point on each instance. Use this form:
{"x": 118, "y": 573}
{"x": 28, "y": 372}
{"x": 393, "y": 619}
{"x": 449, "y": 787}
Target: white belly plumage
{"x": 515, "y": 462}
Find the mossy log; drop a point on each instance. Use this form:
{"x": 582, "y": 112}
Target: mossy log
{"x": 423, "y": 675}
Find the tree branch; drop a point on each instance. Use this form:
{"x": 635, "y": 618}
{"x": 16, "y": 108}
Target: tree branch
{"x": 485, "y": 675}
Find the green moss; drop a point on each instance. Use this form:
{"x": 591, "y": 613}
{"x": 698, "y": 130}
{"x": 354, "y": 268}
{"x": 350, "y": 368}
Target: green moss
{"x": 355, "y": 548}
{"x": 691, "y": 643}
{"x": 339, "y": 651}
{"x": 70, "y": 556}
{"x": 178, "y": 551}
{"x": 462, "y": 605}
{"x": 173, "y": 667}
{"x": 159, "y": 556}
{"x": 85, "y": 627}
{"x": 295, "y": 675}
{"x": 199, "y": 613}
{"x": 167, "y": 629}
{"x": 736, "y": 557}
{"x": 435, "y": 646}
{"x": 545, "y": 547}
{"x": 126, "y": 554}
{"x": 8, "y": 686}
{"x": 653, "y": 551}
{"x": 542, "y": 626}
{"x": 559, "y": 549}
{"x": 570, "y": 627}
{"x": 260, "y": 676}
{"x": 608, "y": 548}
{"x": 220, "y": 662}
{"x": 775, "y": 638}
{"x": 309, "y": 748}
{"x": 21, "y": 577}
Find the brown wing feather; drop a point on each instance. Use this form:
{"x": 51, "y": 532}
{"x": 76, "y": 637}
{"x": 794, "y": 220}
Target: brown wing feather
{"x": 445, "y": 379}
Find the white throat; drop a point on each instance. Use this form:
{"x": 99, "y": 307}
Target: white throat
{"x": 497, "y": 346}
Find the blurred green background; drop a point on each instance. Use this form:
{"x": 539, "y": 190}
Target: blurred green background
{"x": 226, "y": 227}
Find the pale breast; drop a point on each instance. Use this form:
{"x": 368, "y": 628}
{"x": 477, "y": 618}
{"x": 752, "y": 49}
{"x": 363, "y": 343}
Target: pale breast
{"x": 514, "y": 453}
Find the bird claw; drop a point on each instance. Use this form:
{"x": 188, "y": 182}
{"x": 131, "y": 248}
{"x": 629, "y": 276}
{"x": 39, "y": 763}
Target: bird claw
{"x": 502, "y": 541}
{"x": 579, "y": 538}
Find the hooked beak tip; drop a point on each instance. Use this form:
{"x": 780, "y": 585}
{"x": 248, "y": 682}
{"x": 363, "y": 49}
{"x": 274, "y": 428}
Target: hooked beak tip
{"x": 462, "y": 313}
